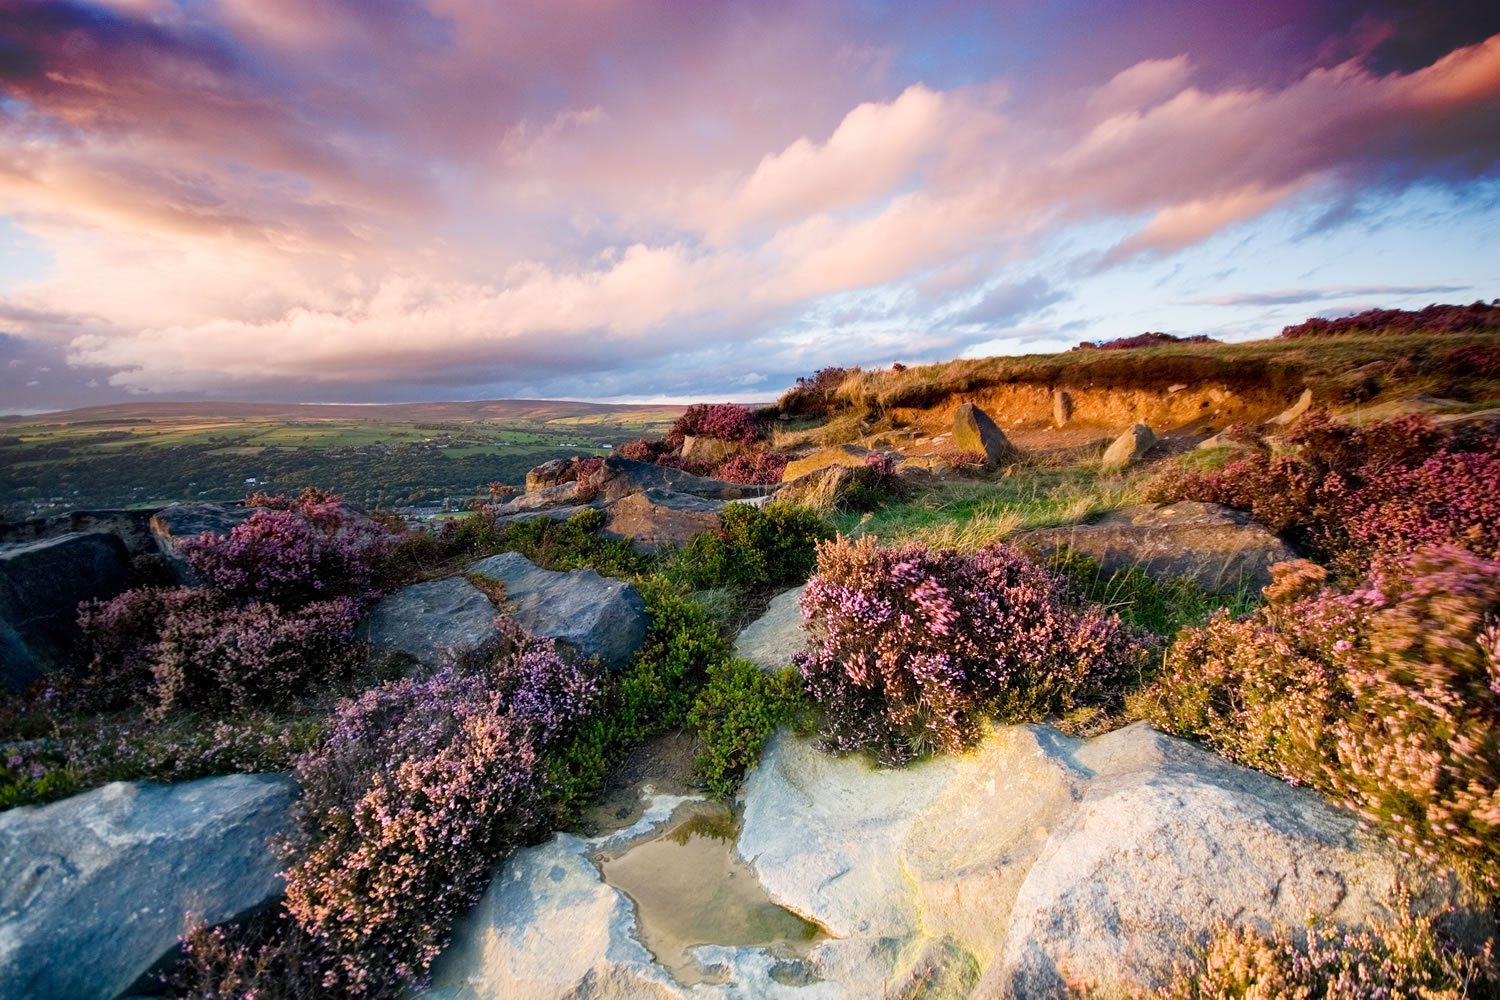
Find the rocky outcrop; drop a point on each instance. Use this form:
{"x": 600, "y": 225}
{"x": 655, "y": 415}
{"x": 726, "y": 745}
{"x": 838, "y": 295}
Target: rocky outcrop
{"x": 974, "y": 431}
{"x": 847, "y": 455}
{"x": 41, "y": 585}
{"x": 658, "y": 518}
{"x": 587, "y": 613}
{"x": 426, "y": 624}
{"x": 131, "y": 527}
{"x": 1219, "y": 549}
{"x": 553, "y": 473}
{"x": 171, "y": 525}
{"x": 707, "y": 450}
{"x": 1291, "y": 413}
{"x": 620, "y": 476}
{"x": 95, "y": 888}
{"x": 1129, "y": 448}
{"x": 1037, "y": 858}
{"x": 775, "y": 637}
{"x": 542, "y": 498}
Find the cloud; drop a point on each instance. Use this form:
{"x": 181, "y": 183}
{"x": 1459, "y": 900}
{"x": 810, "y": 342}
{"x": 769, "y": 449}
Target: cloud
{"x": 275, "y": 197}
{"x": 1300, "y": 296}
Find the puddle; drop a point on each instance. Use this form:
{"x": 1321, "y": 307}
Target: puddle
{"x": 690, "y": 889}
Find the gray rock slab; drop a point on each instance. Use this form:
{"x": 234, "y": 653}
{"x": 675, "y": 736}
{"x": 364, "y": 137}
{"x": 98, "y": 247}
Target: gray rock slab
{"x": 430, "y": 623}
{"x": 775, "y": 637}
{"x": 41, "y": 586}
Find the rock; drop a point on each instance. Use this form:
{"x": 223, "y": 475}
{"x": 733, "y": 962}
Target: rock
{"x": 1291, "y": 413}
{"x": 590, "y": 614}
{"x": 620, "y": 476}
{"x": 132, "y": 527}
{"x": 41, "y": 585}
{"x": 933, "y": 465}
{"x": 974, "y": 431}
{"x": 553, "y": 473}
{"x": 1128, "y": 448}
{"x": 844, "y": 454}
{"x": 1062, "y": 407}
{"x": 775, "y": 637}
{"x": 823, "y": 490}
{"x": 172, "y": 524}
{"x": 707, "y": 450}
{"x": 561, "y": 495}
{"x": 1037, "y": 856}
{"x": 95, "y": 888}
{"x": 659, "y": 518}
{"x": 1219, "y": 549}
{"x": 427, "y": 624}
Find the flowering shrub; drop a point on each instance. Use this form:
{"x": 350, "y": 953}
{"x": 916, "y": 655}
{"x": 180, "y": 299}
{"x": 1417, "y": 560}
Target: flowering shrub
{"x": 1387, "y": 698}
{"x": 815, "y": 395}
{"x": 641, "y": 450}
{"x": 292, "y": 552}
{"x": 763, "y": 467}
{"x": 724, "y": 421}
{"x": 192, "y": 648}
{"x": 1394, "y": 322}
{"x": 417, "y": 789}
{"x": 963, "y": 459}
{"x": 1142, "y": 340}
{"x": 1480, "y": 359}
{"x": 1407, "y": 956}
{"x": 911, "y": 647}
{"x": 1356, "y": 493}
{"x": 586, "y": 465}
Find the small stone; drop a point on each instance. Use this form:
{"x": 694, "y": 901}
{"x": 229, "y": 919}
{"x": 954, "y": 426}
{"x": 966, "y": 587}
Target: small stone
{"x": 974, "y": 431}
{"x": 1128, "y": 448}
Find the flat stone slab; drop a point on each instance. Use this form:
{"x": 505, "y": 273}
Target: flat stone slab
{"x": 659, "y": 518}
{"x": 588, "y": 613}
{"x": 775, "y": 637}
{"x": 94, "y": 889}
{"x": 427, "y": 624}
{"x": 620, "y": 476}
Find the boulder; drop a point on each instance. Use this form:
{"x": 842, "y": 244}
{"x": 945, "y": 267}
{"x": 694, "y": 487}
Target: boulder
{"x": 974, "y": 431}
{"x": 1291, "y": 413}
{"x": 1129, "y": 448}
{"x": 845, "y": 454}
{"x": 706, "y": 450}
{"x": 95, "y": 888}
{"x": 1038, "y": 857}
{"x": 1062, "y": 407}
{"x": 775, "y": 637}
{"x": 587, "y": 613}
{"x": 1218, "y": 548}
{"x": 620, "y": 476}
{"x": 659, "y": 518}
{"x": 427, "y": 624}
{"x": 823, "y": 490}
{"x": 553, "y": 473}
{"x": 41, "y": 585}
{"x": 171, "y": 525}
{"x": 132, "y": 527}
{"x": 542, "y": 498}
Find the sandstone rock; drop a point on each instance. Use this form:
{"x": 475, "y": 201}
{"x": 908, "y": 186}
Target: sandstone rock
{"x": 172, "y": 524}
{"x": 775, "y": 637}
{"x": 620, "y": 476}
{"x": 1128, "y": 448}
{"x": 429, "y": 623}
{"x": 132, "y": 527}
{"x": 588, "y": 613}
{"x": 553, "y": 473}
{"x": 41, "y": 585}
{"x": 1291, "y": 413}
{"x": 561, "y": 495}
{"x": 1037, "y": 855}
{"x": 1219, "y": 549}
{"x": 931, "y": 465}
{"x": 822, "y": 490}
{"x": 707, "y": 450}
{"x": 1062, "y": 407}
{"x": 656, "y": 518}
{"x": 974, "y": 431}
{"x": 844, "y": 454}
{"x": 95, "y": 888}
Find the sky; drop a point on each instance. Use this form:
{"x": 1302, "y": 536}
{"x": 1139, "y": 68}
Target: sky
{"x": 394, "y": 200}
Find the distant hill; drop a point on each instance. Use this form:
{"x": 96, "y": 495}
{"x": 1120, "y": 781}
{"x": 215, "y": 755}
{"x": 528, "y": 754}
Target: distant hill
{"x": 531, "y": 410}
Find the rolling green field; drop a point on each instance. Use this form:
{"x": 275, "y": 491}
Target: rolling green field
{"x": 144, "y": 454}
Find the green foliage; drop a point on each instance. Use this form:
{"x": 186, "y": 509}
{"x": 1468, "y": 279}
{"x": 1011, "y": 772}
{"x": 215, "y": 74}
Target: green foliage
{"x": 755, "y": 548}
{"x": 1161, "y": 607}
{"x": 572, "y": 544}
{"x": 735, "y": 713}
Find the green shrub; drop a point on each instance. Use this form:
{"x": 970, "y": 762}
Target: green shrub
{"x": 573, "y": 544}
{"x": 1161, "y": 607}
{"x": 735, "y": 713}
{"x": 755, "y": 548}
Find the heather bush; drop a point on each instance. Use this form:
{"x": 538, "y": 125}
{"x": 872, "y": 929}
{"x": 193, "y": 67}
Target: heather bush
{"x": 755, "y": 548}
{"x": 1352, "y": 494}
{"x": 416, "y": 791}
{"x": 191, "y": 648}
{"x": 293, "y": 552}
{"x": 642, "y": 450}
{"x": 1480, "y": 359}
{"x": 912, "y": 647}
{"x": 1396, "y": 322}
{"x": 760, "y": 468}
{"x": 815, "y": 395}
{"x": 1406, "y": 956}
{"x": 967, "y": 460}
{"x": 724, "y": 421}
{"x": 734, "y": 714}
{"x": 1386, "y": 697}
